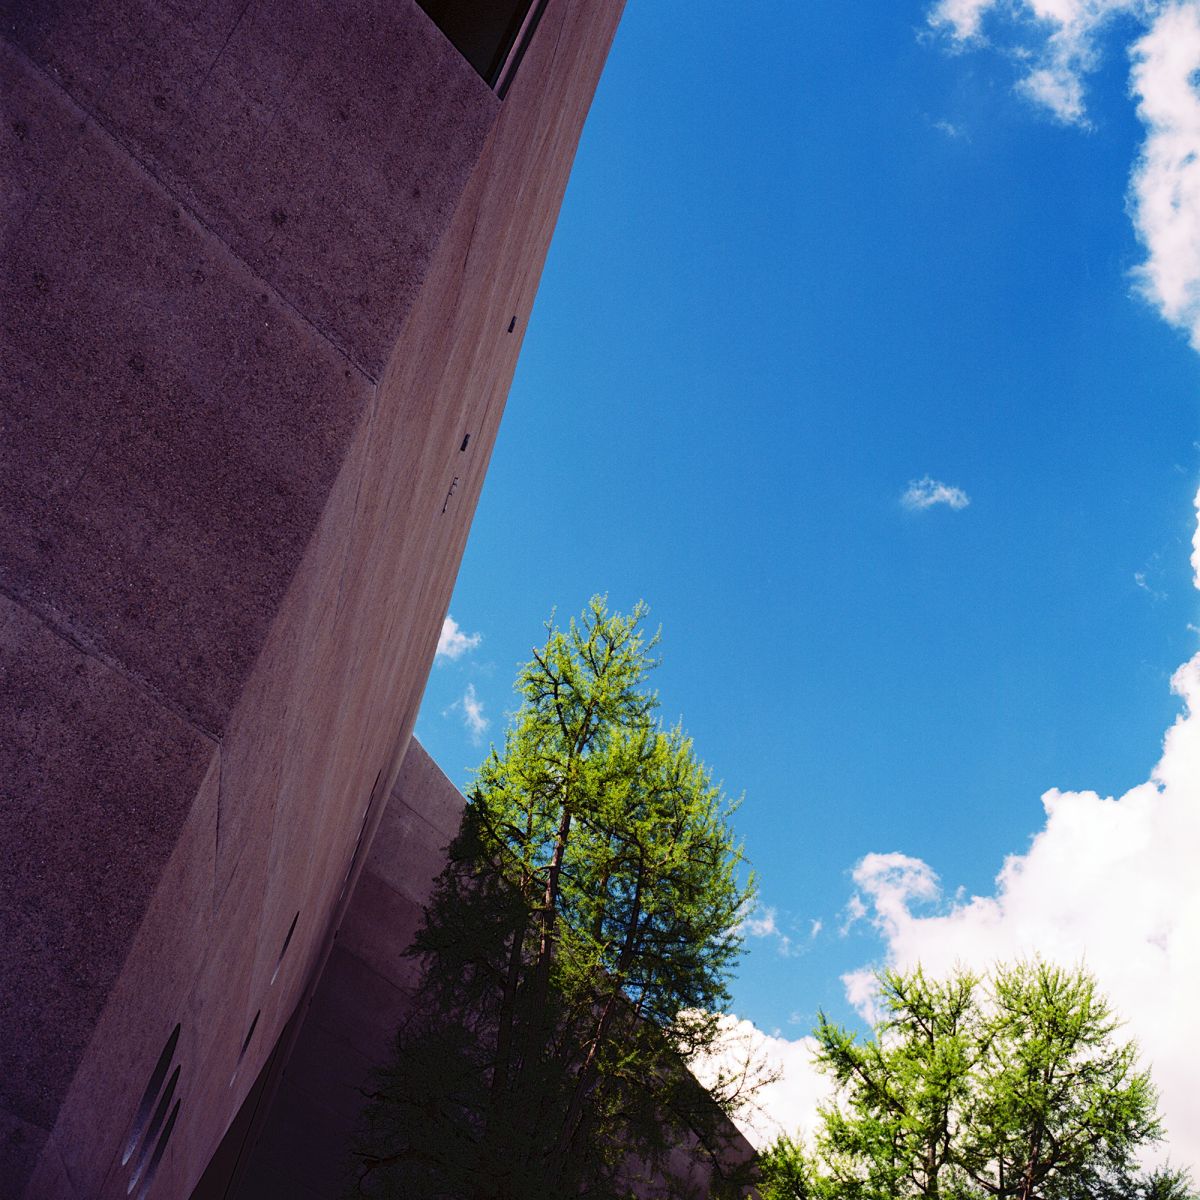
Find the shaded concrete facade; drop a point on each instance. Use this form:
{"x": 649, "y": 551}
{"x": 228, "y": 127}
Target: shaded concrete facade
{"x": 302, "y": 1149}
{"x": 266, "y": 272}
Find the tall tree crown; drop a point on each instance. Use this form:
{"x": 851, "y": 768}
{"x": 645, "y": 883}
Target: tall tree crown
{"x": 1014, "y": 1086}
{"x": 577, "y": 947}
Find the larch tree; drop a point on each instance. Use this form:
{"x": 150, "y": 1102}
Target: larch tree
{"x": 1015, "y": 1087}
{"x": 576, "y": 951}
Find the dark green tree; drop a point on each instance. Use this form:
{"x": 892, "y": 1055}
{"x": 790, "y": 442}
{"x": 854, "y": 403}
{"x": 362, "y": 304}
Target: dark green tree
{"x": 576, "y": 950}
{"x": 1017, "y": 1087}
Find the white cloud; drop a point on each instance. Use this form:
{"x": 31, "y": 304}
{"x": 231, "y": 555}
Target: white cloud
{"x": 927, "y": 492}
{"x": 762, "y": 922}
{"x": 1058, "y": 89}
{"x": 789, "y": 1103}
{"x": 1165, "y": 189}
{"x": 473, "y": 716}
{"x": 1111, "y": 883}
{"x": 759, "y": 923}
{"x": 453, "y": 643}
{"x": 963, "y": 18}
{"x": 1059, "y": 39}
{"x": 855, "y": 911}
{"x": 471, "y": 708}
{"x": 956, "y": 132}
{"x": 1196, "y": 545}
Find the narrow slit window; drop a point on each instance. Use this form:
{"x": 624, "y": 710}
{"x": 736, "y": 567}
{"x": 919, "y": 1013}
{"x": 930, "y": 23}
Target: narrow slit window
{"x": 490, "y": 34}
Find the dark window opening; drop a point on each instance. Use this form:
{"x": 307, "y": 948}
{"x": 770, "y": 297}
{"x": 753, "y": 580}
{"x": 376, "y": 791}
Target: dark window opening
{"x": 150, "y": 1095}
{"x": 245, "y": 1047}
{"x": 287, "y": 941}
{"x": 490, "y": 34}
{"x": 152, "y": 1139}
{"x": 159, "y": 1151}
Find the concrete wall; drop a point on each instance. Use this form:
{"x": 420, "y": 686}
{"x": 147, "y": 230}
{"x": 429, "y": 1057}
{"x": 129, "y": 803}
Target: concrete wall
{"x": 364, "y": 993}
{"x": 266, "y": 266}
{"x": 366, "y": 989}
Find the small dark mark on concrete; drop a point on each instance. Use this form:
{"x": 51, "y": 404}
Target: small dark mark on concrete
{"x": 416, "y": 193}
{"x": 512, "y": 324}
{"x": 137, "y": 364}
{"x": 262, "y": 297}
{"x": 44, "y": 545}
{"x": 40, "y": 281}
{"x": 346, "y": 373}
{"x": 278, "y": 218}
{"x": 160, "y": 102}
{"x": 198, "y": 276}
{"x": 21, "y": 130}
{"x": 466, "y": 439}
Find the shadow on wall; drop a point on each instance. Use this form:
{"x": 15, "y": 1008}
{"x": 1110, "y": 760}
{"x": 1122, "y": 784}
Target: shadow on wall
{"x": 374, "y": 986}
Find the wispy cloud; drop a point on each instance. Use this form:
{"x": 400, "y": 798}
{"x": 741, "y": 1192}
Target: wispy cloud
{"x": 471, "y": 708}
{"x": 1057, "y": 41}
{"x": 453, "y": 643}
{"x": 1195, "y": 559}
{"x": 473, "y": 716}
{"x": 955, "y": 132}
{"x": 762, "y": 922}
{"x": 855, "y": 910}
{"x": 928, "y": 492}
{"x": 758, "y": 923}
{"x": 1164, "y": 194}
{"x": 1058, "y": 45}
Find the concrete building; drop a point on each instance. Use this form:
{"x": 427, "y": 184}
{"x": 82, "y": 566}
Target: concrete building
{"x": 266, "y": 273}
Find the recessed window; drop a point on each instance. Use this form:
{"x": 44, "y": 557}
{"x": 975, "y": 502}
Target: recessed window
{"x": 287, "y": 941}
{"x": 490, "y": 34}
{"x": 245, "y": 1046}
{"x": 152, "y": 1126}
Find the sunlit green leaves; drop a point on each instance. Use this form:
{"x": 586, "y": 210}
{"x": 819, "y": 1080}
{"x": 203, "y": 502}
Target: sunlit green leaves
{"x": 1013, "y": 1086}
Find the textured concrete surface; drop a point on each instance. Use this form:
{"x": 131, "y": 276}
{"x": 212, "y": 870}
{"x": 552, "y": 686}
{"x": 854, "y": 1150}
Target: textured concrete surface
{"x": 365, "y": 991}
{"x": 325, "y": 143}
{"x": 95, "y": 786}
{"x": 260, "y": 264}
{"x": 170, "y": 428}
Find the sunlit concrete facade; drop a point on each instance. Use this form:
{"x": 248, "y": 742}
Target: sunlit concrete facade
{"x": 266, "y": 273}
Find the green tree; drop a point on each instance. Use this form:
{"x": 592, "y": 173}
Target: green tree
{"x": 576, "y": 949}
{"x": 1013, "y": 1087}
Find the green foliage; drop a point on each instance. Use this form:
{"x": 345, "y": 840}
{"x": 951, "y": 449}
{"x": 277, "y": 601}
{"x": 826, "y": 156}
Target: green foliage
{"x": 576, "y": 948}
{"x": 1014, "y": 1088}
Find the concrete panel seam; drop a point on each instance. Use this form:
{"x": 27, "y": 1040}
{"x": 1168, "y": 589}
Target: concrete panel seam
{"x": 63, "y": 633}
{"x": 328, "y": 338}
{"x": 212, "y": 66}
{"x": 378, "y": 975}
{"x": 360, "y": 468}
{"x": 217, "y": 895}
{"x": 63, "y": 168}
{"x": 423, "y": 819}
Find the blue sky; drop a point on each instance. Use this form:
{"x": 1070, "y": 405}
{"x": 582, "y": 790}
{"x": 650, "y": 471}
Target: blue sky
{"x": 811, "y": 254}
